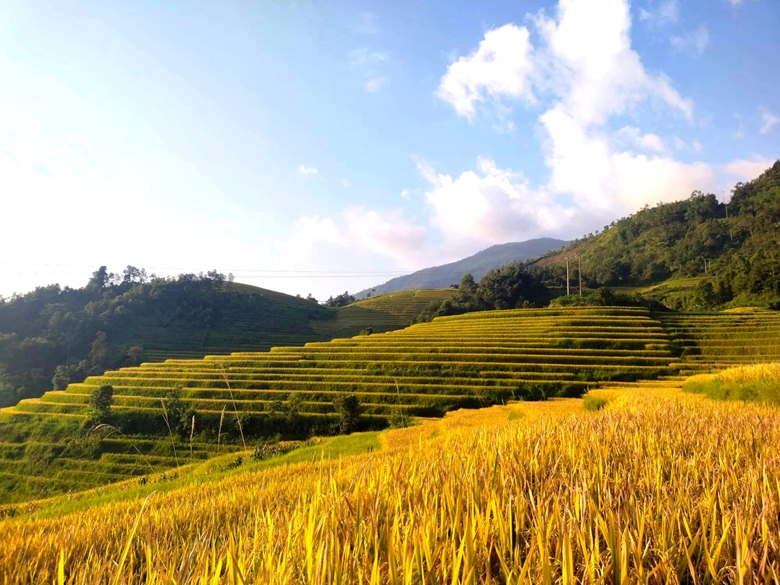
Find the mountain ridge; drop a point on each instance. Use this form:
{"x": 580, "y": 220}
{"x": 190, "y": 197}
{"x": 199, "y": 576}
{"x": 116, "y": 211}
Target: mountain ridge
{"x": 477, "y": 265}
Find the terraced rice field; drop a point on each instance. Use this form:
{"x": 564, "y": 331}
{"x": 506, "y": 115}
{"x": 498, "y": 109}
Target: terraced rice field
{"x": 383, "y": 313}
{"x": 714, "y": 341}
{"x": 289, "y": 321}
{"x": 657, "y": 486}
{"x": 466, "y": 361}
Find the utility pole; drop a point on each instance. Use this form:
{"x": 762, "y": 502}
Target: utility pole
{"x": 568, "y": 291}
{"x": 579, "y": 271}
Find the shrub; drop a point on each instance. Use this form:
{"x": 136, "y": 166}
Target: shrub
{"x": 348, "y": 409}
{"x": 594, "y": 402}
{"x": 100, "y": 401}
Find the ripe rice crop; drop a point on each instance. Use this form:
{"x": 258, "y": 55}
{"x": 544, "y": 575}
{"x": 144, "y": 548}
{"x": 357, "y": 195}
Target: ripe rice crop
{"x": 656, "y": 487}
{"x": 754, "y": 383}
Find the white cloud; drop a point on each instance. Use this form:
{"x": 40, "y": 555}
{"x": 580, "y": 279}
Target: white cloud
{"x": 309, "y": 233}
{"x": 747, "y": 170}
{"x": 583, "y": 165}
{"x": 227, "y": 225}
{"x": 768, "y": 121}
{"x": 388, "y": 234}
{"x": 346, "y": 183}
{"x": 667, "y": 12}
{"x": 405, "y": 194}
{"x": 740, "y": 131}
{"x": 363, "y": 56}
{"x": 499, "y": 68}
{"x": 695, "y": 40}
{"x": 585, "y": 61}
{"x": 633, "y": 137}
{"x": 369, "y": 63}
{"x": 304, "y": 170}
{"x": 489, "y": 206}
{"x": 374, "y": 84}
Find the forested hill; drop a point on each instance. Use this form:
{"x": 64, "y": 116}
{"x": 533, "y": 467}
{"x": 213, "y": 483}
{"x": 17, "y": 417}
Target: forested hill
{"x": 52, "y": 336}
{"x": 477, "y": 265}
{"x": 736, "y": 247}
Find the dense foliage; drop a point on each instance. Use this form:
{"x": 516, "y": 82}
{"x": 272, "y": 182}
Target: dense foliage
{"x": 510, "y": 287}
{"x": 735, "y": 247}
{"x": 53, "y": 336}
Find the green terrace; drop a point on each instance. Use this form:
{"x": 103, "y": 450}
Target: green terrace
{"x": 465, "y": 361}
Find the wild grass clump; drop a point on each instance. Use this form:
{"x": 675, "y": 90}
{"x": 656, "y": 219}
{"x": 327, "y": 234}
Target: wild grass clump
{"x": 592, "y": 403}
{"x": 753, "y": 383}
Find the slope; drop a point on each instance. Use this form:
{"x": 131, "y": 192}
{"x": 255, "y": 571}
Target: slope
{"x": 734, "y": 248}
{"x": 477, "y": 265}
{"x": 428, "y": 369}
{"x": 658, "y": 486}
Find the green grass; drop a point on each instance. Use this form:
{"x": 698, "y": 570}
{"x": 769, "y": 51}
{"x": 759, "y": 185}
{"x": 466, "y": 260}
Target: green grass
{"x": 591, "y": 402}
{"x": 750, "y": 383}
{"x": 213, "y": 470}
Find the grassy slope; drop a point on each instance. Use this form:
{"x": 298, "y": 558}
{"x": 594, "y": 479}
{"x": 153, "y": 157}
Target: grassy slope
{"x": 484, "y": 493}
{"x": 752, "y": 383}
{"x": 284, "y": 321}
{"x": 427, "y": 369}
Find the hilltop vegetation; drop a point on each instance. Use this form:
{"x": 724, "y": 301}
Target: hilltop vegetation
{"x": 53, "y": 336}
{"x": 654, "y": 486}
{"x": 477, "y": 266}
{"x": 734, "y": 250}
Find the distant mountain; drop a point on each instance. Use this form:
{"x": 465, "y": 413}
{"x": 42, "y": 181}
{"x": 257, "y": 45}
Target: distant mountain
{"x": 477, "y": 265}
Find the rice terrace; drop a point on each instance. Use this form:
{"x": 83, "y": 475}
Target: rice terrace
{"x": 559, "y": 362}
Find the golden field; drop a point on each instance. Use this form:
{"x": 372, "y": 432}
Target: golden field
{"x": 659, "y": 486}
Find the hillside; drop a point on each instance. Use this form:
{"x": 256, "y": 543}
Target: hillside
{"x": 733, "y": 249}
{"x": 428, "y": 369}
{"x": 636, "y": 484}
{"x": 477, "y": 265}
{"x": 52, "y": 336}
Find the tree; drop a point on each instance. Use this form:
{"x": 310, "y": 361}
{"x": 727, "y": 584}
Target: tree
{"x": 341, "y": 300}
{"x": 178, "y": 412}
{"x": 100, "y": 401}
{"x": 348, "y": 409}
{"x": 134, "y": 355}
{"x": 61, "y": 377}
{"x": 293, "y": 411}
{"x": 99, "y": 279}
{"x": 605, "y": 296}
{"x": 468, "y": 287}
{"x": 98, "y": 354}
{"x": 131, "y": 275}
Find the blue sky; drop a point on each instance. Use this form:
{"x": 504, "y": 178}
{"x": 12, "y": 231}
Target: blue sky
{"x": 322, "y": 147}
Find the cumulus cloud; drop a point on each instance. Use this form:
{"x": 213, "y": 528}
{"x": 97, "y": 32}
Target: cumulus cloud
{"x": 695, "y": 41}
{"x": 586, "y": 74}
{"x": 304, "y": 170}
{"x": 585, "y": 61}
{"x": 308, "y": 234}
{"x": 388, "y": 234}
{"x": 768, "y": 121}
{"x": 500, "y": 67}
{"x": 632, "y": 137}
{"x": 489, "y": 206}
{"x": 747, "y": 170}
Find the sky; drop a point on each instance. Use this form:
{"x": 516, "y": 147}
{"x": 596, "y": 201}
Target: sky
{"x": 313, "y": 147}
